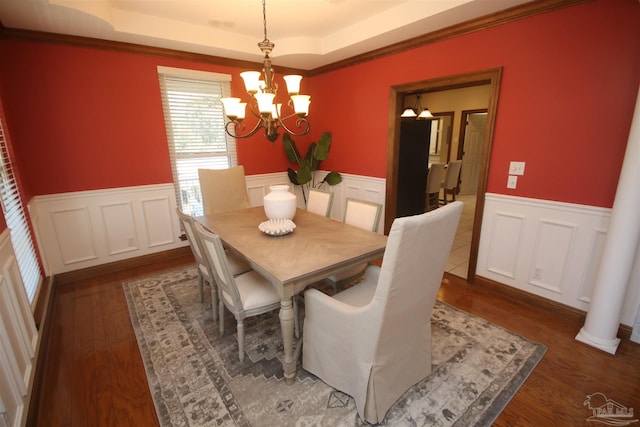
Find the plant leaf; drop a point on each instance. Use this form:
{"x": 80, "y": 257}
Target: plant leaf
{"x": 323, "y": 145}
{"x": 290, "y": 149}
{"x": 333, "y": 178}
{"x": 311, "y": 158}
{"x": 304, "y": 173}
{"x": 293, "y": 176}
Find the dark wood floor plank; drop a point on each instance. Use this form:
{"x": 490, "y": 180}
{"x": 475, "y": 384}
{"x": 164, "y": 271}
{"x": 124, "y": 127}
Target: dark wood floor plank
{"x": 94, "y": 375}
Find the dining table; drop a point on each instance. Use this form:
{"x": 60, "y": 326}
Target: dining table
{"x": 317, "y": 248}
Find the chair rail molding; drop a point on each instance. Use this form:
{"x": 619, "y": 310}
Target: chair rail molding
{"x": 547, "y": 248}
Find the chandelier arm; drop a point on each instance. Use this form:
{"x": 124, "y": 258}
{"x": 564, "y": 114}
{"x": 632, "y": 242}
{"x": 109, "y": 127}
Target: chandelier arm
{"x": 235, "y": 124}
{"x": 301, "y": 122}
{"x": 253, "y": 104}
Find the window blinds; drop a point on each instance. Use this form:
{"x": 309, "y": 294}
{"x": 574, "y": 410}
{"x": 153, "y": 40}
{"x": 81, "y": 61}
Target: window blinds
{"x": 195, "y": 121}
{"x": 14, "y": 216}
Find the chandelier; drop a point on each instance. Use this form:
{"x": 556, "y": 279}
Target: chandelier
{"x": 417, "y": 111}
{"x": 262, "y": 92}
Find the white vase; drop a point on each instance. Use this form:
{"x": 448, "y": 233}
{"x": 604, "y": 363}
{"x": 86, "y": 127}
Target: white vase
{"x": 280, "y": 203}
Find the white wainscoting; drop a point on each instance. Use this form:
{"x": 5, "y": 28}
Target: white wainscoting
{"x": 88, "y": 228}
{"x": 19, "y": 339}
{"x": 547, "y": 248}
{"x": 352, "y": 186}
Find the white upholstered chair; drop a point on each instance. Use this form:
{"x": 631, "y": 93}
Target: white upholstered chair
{"x": 451, "y": 179}
{"x": 248, "y": 294}
{"x": 237, "y": 264}
{"x": 223, "y": 189}
{"x": 373, "y": 340}
{"x": 362, "y": 214}
{"x": 434, "y": 182}
{"x": 319, "y": 202}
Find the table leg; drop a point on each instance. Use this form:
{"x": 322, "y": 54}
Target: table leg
{"x": 286, "y": 323}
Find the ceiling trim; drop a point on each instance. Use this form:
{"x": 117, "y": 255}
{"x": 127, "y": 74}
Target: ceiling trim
{"x": 499, "y": 18}
{"x": 509, "y": 15}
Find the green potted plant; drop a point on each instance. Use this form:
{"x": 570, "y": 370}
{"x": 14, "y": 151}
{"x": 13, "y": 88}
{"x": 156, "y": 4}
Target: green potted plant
{"x": 307, "y": 165}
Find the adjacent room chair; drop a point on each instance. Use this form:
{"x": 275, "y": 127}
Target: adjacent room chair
{"x": 237, "y": 264}
{"x": 373, "y": 340}
{"x": 434, "y": 182}
{"x": 223, "y": 189}
{"x": 248, "y": 294}
{"x": 451, "y": 179}
{"x": 362, "y": 214}
{"x": 319, "y": 202}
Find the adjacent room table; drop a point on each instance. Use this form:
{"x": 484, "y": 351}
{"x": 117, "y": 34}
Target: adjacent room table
{"x": 318, "y": 247}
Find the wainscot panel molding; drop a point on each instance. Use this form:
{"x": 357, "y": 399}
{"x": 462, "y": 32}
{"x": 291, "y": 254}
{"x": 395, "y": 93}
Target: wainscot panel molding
{"x": 19, "y": 339}
{"x": 88, "y": 228}
{"x": 352, "y": 186}
{"x": 551, "y": 249}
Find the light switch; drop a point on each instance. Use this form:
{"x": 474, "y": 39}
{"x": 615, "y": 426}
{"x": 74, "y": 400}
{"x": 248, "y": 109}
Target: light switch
{"x": 512, "y": 181}
{"x": 516, "y": 168}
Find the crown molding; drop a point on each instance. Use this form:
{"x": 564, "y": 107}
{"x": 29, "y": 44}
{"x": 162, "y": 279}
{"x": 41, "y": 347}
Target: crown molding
{"x": 499, "y": 18}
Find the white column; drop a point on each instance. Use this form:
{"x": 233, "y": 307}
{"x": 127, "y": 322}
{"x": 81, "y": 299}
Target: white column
{"x": 605, "y": 309}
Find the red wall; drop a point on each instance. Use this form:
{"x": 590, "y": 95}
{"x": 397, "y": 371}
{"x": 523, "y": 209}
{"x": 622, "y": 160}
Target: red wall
{"x": 568, "y": 90}
{"x": 569, "y": 84}
{"x": 86, "y": 119}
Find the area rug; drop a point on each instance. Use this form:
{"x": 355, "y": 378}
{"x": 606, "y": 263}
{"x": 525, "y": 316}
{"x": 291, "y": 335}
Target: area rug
{"x": 196, "y": 379}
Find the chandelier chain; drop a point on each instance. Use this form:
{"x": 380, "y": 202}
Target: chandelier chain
{"x": 264, "y": 19}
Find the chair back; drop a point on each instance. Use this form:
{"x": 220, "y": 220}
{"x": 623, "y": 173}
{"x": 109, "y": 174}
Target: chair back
{"x": 215, "y": 254}
{"x": 188, "y": 224}
{"x": 319, "y": 202}
{"x": 410, "y": 276}
{"x": 363, "y": 214}
{"x": 223, "y": 189}
{"x": 434, "y": 178}
{"x": 453, "y": 175}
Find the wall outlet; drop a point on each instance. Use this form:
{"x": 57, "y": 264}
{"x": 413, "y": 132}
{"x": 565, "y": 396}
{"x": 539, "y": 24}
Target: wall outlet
{"x": 512, "y": 181}
{"x": 516, "y": 168}
{"x": 537, "y": 273}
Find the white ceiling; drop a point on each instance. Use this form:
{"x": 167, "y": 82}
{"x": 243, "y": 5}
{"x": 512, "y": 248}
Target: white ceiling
{"x": 307, "y": 33}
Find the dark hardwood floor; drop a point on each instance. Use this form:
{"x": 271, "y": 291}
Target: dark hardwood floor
{"x": 93, "y": 373}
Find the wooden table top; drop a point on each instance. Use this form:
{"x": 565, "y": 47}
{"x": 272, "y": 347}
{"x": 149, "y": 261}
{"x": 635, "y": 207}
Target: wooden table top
{"x": 317, "y": 248}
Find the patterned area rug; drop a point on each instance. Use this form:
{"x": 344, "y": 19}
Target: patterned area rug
{"x": 196, "y": 379}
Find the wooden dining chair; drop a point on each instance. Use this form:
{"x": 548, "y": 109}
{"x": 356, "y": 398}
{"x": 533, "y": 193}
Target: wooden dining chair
{"x": 245, "y": 295}
{"x": 223, "y": 189}
{"x": 362, "y": 214}
{"x": 434, "y": 182}
{"x": 319, "y": 202}
{"x": 237, "y": 264}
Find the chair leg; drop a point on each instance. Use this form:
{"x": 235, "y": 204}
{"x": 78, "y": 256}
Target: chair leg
{"x": 221, "y": 314}
{"x": 214, "y": 300}
{"x": 201, "y": 285}
{"x": 240, "y": 331}
{"x": 296, "y": 316}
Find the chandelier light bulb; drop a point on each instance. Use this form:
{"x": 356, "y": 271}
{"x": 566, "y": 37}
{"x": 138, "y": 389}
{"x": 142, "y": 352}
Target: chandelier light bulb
{"x": 265, "y": 102}
{"x": 301, "y": 104}
{"x": 251, "y": 81}
{"x": 293, "y": 83}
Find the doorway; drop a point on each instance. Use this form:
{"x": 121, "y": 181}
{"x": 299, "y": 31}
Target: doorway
{"x": 489, "y": 77}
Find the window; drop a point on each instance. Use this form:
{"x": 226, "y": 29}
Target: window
{"x": 195, "y": 129}
{"x": 16, "y": 221}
